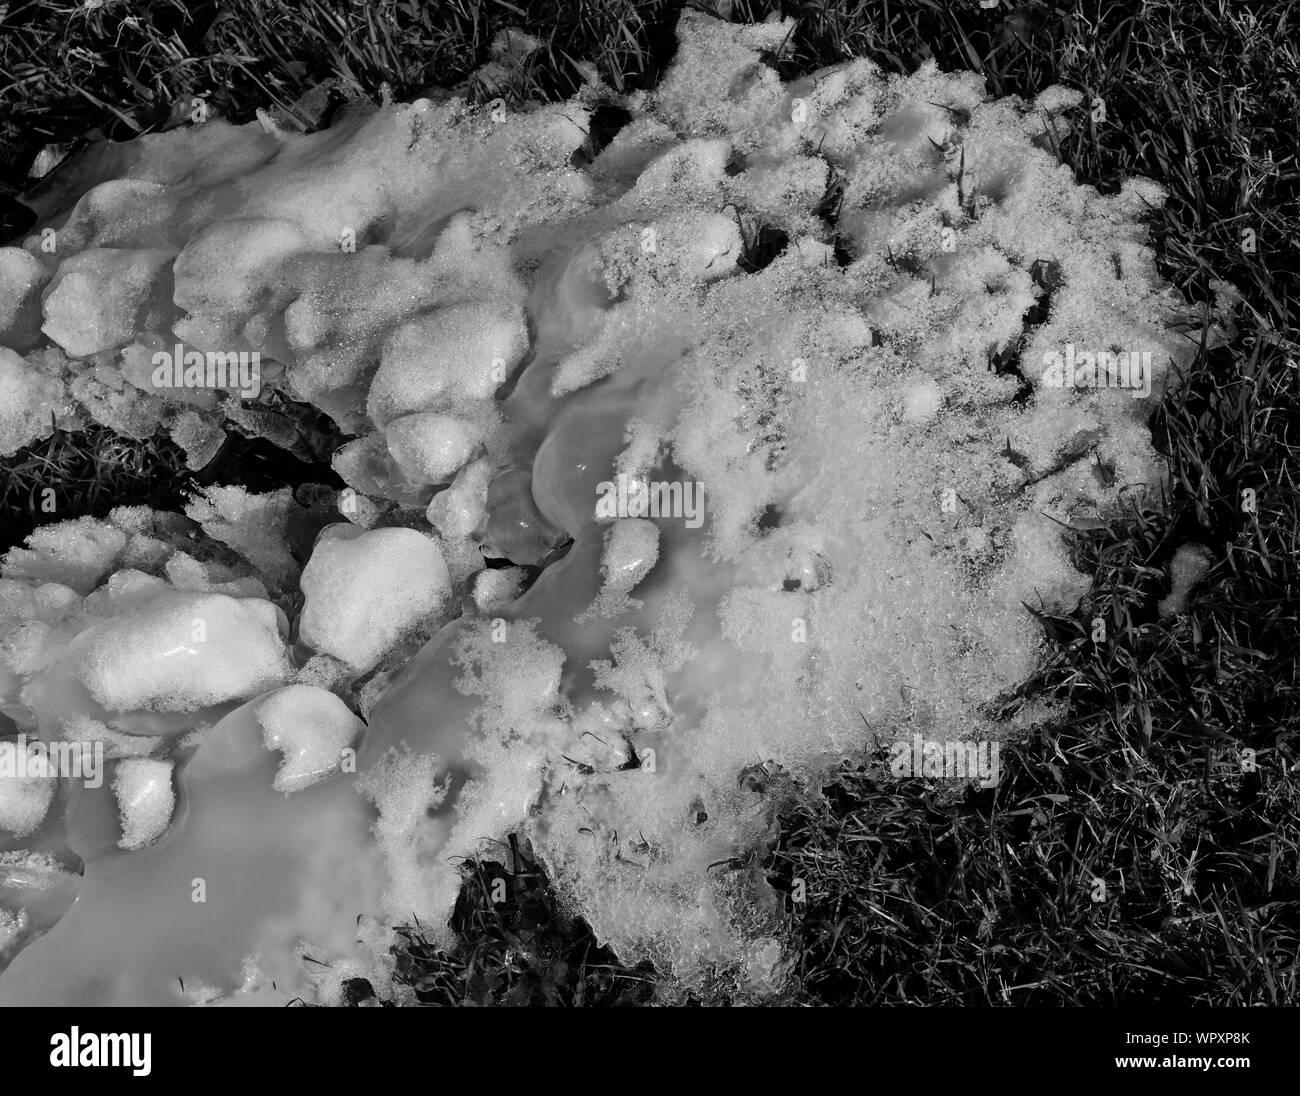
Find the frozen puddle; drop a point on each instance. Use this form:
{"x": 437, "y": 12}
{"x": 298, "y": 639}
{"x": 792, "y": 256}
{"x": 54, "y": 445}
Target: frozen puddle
{"x": 738, "y": 513}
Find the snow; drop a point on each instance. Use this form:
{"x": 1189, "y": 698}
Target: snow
{"x": 221, "y": 274}
{"x": 30, "y": 399}
{"x": 861, "y": 507}
{"x": 364, "y": 592}
{"x": 253, "y": 525}
{"x": 497, "y": 587}
{"x": 464, "y": 350}
{"x": 1186, "y": 569}
{"x": 25, "y": 791}
{"x": 145, "y": 800}
{"x": 76, "y": 553}
{"x": 431, "y": 448}
{"x": 181, "y": 652}
{"x": 21, "y": 278}
{"x": 93, "y": 302}
{"x": 312, "y": 728}
{"x": 631, "y": 551}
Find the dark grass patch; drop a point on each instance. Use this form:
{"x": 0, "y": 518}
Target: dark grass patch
{"x": 515, "y": 945}
{"x": 119, "y": 68}
{"x": 85, "y": 473}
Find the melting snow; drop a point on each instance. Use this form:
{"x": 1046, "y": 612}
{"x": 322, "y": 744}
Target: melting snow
{"x": 505, "y": 325}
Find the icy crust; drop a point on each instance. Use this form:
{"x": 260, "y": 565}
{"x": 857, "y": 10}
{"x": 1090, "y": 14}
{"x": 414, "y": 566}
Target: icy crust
{"x": 743, "y": 516}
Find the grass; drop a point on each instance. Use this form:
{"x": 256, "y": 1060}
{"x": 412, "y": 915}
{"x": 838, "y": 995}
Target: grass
{"x": 912, "y": 896}
{"x": 86, "y": 473}
{"x": 994, "y": 899}
{"x": 517, "y": 947}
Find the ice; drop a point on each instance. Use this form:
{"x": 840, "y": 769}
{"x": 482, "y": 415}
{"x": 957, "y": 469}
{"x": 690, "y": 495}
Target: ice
{"x": 22, "y": 277}
{"x": 458, "y": 511}
{"x": 35, "y": 891}
{"x": 431, "y": 448}
{"x": 225, "y": 271}
{"x": 312, "y": 728}
{"x": 863, "y": 461}
{"x": 457, "y": 351}
{"x": 83, "y": 729}
{"x": 30, "y": 399}
{"x": 367, "y": 466}
{"x": 496, "y": 587}
{"x": 181, "y": 652}
{"x": 76, "y": 553}
{"x": 11, "y": 926}
{"x": 26, "y": 788}
{"x": 116, "y": 213}
{"x": 247, "y": 871}
{"x": 200, "y": 439}
{"x": 364, "y": 592}
{"x": 100, "y": 298}
{"x": 145, "y": 800}
{"x": 255, "y": 526}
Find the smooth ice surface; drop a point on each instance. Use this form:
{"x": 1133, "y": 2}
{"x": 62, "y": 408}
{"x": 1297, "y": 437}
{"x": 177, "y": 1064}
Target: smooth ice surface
{"x": 35, "y": 891}
{"x": 244, "y": 870}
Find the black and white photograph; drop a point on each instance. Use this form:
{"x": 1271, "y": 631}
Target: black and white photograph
{"x": 661, "y": 505}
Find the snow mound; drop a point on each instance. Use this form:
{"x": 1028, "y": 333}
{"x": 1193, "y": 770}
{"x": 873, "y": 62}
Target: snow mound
{"x": 745, "y": 440}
